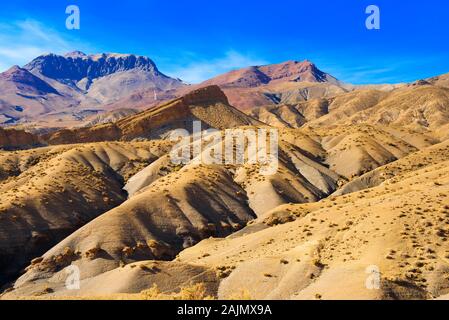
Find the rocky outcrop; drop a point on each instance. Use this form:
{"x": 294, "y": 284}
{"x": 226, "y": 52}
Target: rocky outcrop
{"x": 16, "y": 139}
{"x": 103, "y": 132}
{"x": 208, "y": 105}
{"x": 210, "y": 94}
{"x": 108, "y": 117}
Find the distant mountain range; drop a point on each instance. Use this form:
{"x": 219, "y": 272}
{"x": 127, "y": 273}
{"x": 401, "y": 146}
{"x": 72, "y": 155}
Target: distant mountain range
{"x": 77, "y": 90}
{"x": 65, "y": 89}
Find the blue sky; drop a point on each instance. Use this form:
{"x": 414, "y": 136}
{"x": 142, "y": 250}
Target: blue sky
{"x": 198, "y": 39}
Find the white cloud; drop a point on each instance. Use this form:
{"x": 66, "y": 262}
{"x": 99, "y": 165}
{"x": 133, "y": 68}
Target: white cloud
{"x": 22, "y": 41}
{"x": 202, "y": 69}
{"x": 369, "y": 74}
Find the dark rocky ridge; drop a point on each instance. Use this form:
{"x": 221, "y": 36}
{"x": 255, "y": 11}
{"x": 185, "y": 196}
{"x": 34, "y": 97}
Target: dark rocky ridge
{"x": 77, "y": 66}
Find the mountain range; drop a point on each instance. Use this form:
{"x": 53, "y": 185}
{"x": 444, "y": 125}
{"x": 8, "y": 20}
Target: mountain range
{"x": 65, "y": 91}
{"x": 55, "y": 90}
{"x": 75, "y": 89}
{"x": 56, "y": 94}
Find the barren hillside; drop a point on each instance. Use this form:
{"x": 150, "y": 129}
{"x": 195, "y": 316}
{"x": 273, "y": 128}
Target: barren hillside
{"x": 360, "y": 190}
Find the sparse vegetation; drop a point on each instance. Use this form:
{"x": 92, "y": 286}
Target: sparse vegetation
{"x": 192, "y": 292}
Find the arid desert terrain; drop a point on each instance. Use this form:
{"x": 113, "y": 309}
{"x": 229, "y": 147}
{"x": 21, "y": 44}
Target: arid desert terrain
{"x": 358, "y": 207}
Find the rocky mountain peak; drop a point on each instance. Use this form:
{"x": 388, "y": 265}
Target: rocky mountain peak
{"x": 296, "y": 71}
{"x": 77, "y": 65}
{"x": 75, "y": 54}
{"x": 250, "y": 77}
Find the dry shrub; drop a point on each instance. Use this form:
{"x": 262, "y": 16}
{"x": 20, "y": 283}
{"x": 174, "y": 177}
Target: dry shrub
{"x": 195, "y": 291}
{"x": 153, "y": 294}
{"x": 243, "y": 294}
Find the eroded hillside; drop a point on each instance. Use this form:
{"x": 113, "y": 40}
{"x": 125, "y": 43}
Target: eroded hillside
{"x": 347, "y": 195}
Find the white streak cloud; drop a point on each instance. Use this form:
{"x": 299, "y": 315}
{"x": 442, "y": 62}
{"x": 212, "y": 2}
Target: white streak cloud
{"x": 199, "y": 70}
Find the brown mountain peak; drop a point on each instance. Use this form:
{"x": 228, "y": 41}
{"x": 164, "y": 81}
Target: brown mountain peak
{"x": 14, "y": 72}
{"x": 26, "y": 81}
{"x": 292, "y": 70}
{"x": 205, "y": 95}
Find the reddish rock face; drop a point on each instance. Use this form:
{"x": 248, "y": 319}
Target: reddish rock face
{"x": 16, "y": 139}
{"x": 205, "y": 95}
{"x": 106, "y": 132}
{"x": 262, "y": 75}
{"x": 170, "y": 115}
{"x": 296, "y": 71}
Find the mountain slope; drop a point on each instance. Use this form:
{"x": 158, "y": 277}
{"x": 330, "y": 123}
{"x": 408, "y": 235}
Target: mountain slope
{"x": 295, "y": 251}
{"x": 418, "y": 160}
{"x": 419, "y": 106}
{"x": 170, "y": 207}
{"x": 290, "y": 71}
{"x": 47, "y": 193}
{"x": 21, "y": 79}
{"x": 400, "y": 229}
{"x": 26, "y": 96}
